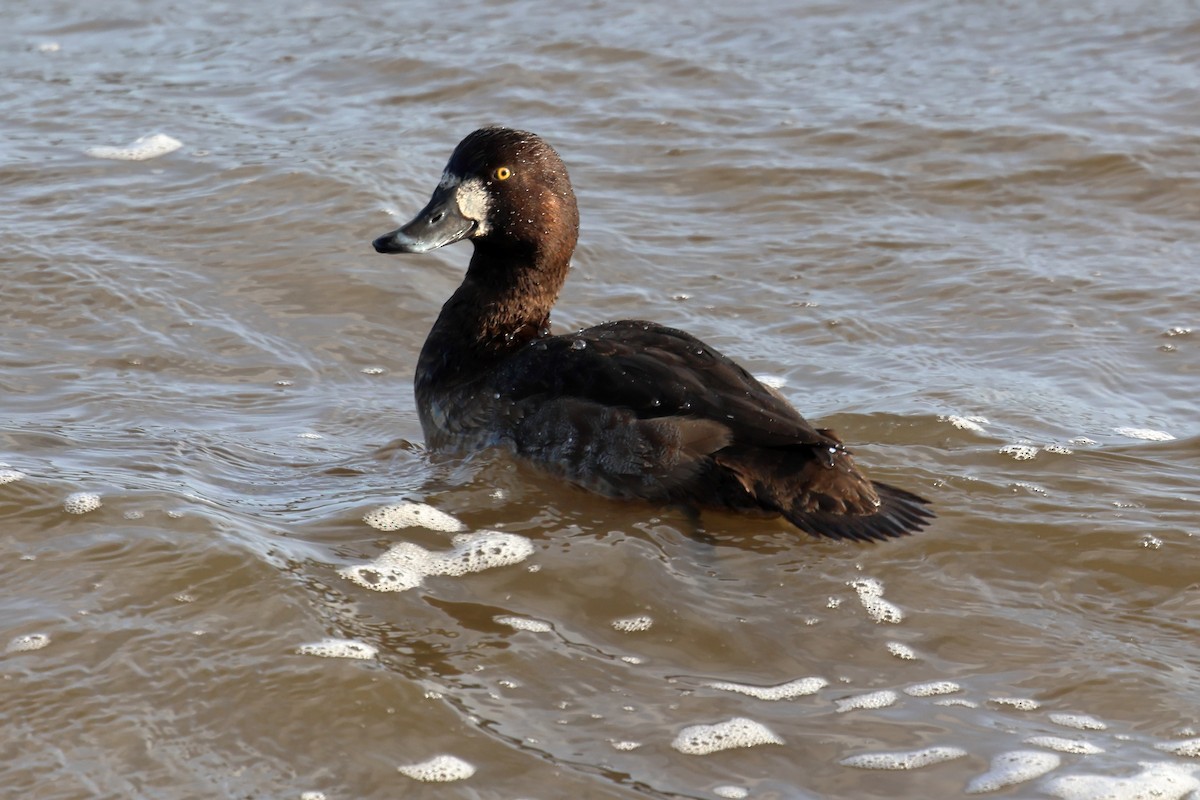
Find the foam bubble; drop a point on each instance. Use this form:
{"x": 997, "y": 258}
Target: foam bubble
{"x": 81, "y": 502}
{"x": 902, "y": 651}
{"x": 870, "y": 594}
{"x": 1188, "y": 747}
{"x": 30, "y": 641}
{"x": 143, "y": 149}
{"x": 312, "y": 796}
{"x": 881, "y": 699}
{"x": 372, "y": 370}
{"x": 784, "y": 691}
{"x": 624, "y": 747}
{"x": 772, "y": 381}
{"x": 409, "y": 515}
{"x": 1021, "y": 452}
{"x": 1149, "y": 434}
{"x": 731, "y": 792}
{"x": 1064, "y": 745}
{"x": 1081, "y": 721}
{"x": 338, "y": 648}
{"x": 54, "y": 47}
{"x": 1019, "y": 703}
{"x": 10, "y": 475}
{"x": 439, "y": 769}
{"x": 932, "y": 688}
{"x": 405, "y": 565}
{"x": 699, "y": 740}
{"x": 906, "y": 760}
{"x": 633, "y": 624}
{"x": 1159, "y": 780}
{"x": 1012, "y": 768}
{"x": 524, "y": 624}
{"x": 965, "y": 423}
{"x": 1060, "y": 449}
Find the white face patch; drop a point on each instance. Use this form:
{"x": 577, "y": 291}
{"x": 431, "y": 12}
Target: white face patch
{"x": 474, "y": 203}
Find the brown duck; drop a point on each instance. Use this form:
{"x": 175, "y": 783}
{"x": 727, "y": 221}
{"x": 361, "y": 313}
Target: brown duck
{"x": 628, "y": 409}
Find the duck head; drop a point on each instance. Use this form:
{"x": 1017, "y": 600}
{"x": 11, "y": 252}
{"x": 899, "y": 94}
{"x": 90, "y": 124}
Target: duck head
{"x": 503, "y": 189}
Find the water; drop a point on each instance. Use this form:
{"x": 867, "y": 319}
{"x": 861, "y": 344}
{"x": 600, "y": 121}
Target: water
{"x": 963, "y": 235}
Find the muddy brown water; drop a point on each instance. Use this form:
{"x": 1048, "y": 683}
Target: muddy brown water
{"x": 964, "y": 235}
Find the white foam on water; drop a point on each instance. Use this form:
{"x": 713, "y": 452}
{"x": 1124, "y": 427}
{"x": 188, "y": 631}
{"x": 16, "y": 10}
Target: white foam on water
{"x": 412, "y": 515}
{"x": 699, "y": 740}
{"x": 1009, "y": 769}
{"x": 338, "y": 648}
{"x": 633, "y": 624}
{"x": 439, "y": 769}
{"x": 1064, "y": 745}
{"x": 624, "y": 747}
{"x": 81, "y": 502}
{"x": 406, "y": 565}
{"x": 731, "y": 792}
{"x": 902, "y": 651}
{"x": 870, "y": 594}
{"x": 10, "y": 475}
{"x": 1021, "y": 452}
{"x": 372, "y": 370}
{"x": 1080, "y": 721}
{"x": 932, "y": 688}
{"x": 881, "y": 699}
{"x": 784, "y": 691}
{"x": 1187, "y": 747}
{"x": 143, "y": 149}
{"x": 524, "y": 624}
{"x": 28, "y": 642}
{"x": 309, "y": 435}
{"x": 1060, "y": 449}
{"x": 1156, "y": 781}
{"x": 956, "y": 701}
{"x": 914, "y": 759}
{"x": 1019, "y": 703}
{"x": 1148, "y": 434}
{"x": 974, "y": 424}
{"x": 1082, "y": 440}
{"x": 53, "y": 47}
{"x": 772, "y": 381}
{"x": 312, "y": 796}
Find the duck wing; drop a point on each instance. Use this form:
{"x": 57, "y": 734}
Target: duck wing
{"x": 655, "y": 372}
{"x": 636, "y": 409}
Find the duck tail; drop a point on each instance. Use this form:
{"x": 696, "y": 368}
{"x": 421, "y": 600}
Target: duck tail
{"x": 821, "y": 492}
{"x": 898, "y": 513}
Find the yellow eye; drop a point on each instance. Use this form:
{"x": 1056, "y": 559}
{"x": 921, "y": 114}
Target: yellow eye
{"x": 503, "y": 174}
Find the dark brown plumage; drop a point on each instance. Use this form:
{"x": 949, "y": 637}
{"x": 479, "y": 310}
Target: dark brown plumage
{"x": 628, "y": 409}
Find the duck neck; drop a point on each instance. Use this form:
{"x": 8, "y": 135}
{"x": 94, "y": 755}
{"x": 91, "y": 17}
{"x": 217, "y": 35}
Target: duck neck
{"x": 503, "y": 303}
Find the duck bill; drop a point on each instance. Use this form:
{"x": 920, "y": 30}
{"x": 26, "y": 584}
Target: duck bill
{"x": 440, "y": 223}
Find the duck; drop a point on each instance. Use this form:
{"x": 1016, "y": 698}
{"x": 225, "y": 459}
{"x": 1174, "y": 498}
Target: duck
{"x": 629, "y": 409}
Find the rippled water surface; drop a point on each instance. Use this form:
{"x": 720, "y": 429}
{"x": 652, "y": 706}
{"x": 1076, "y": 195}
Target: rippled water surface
{"x": 965, "y": 235}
